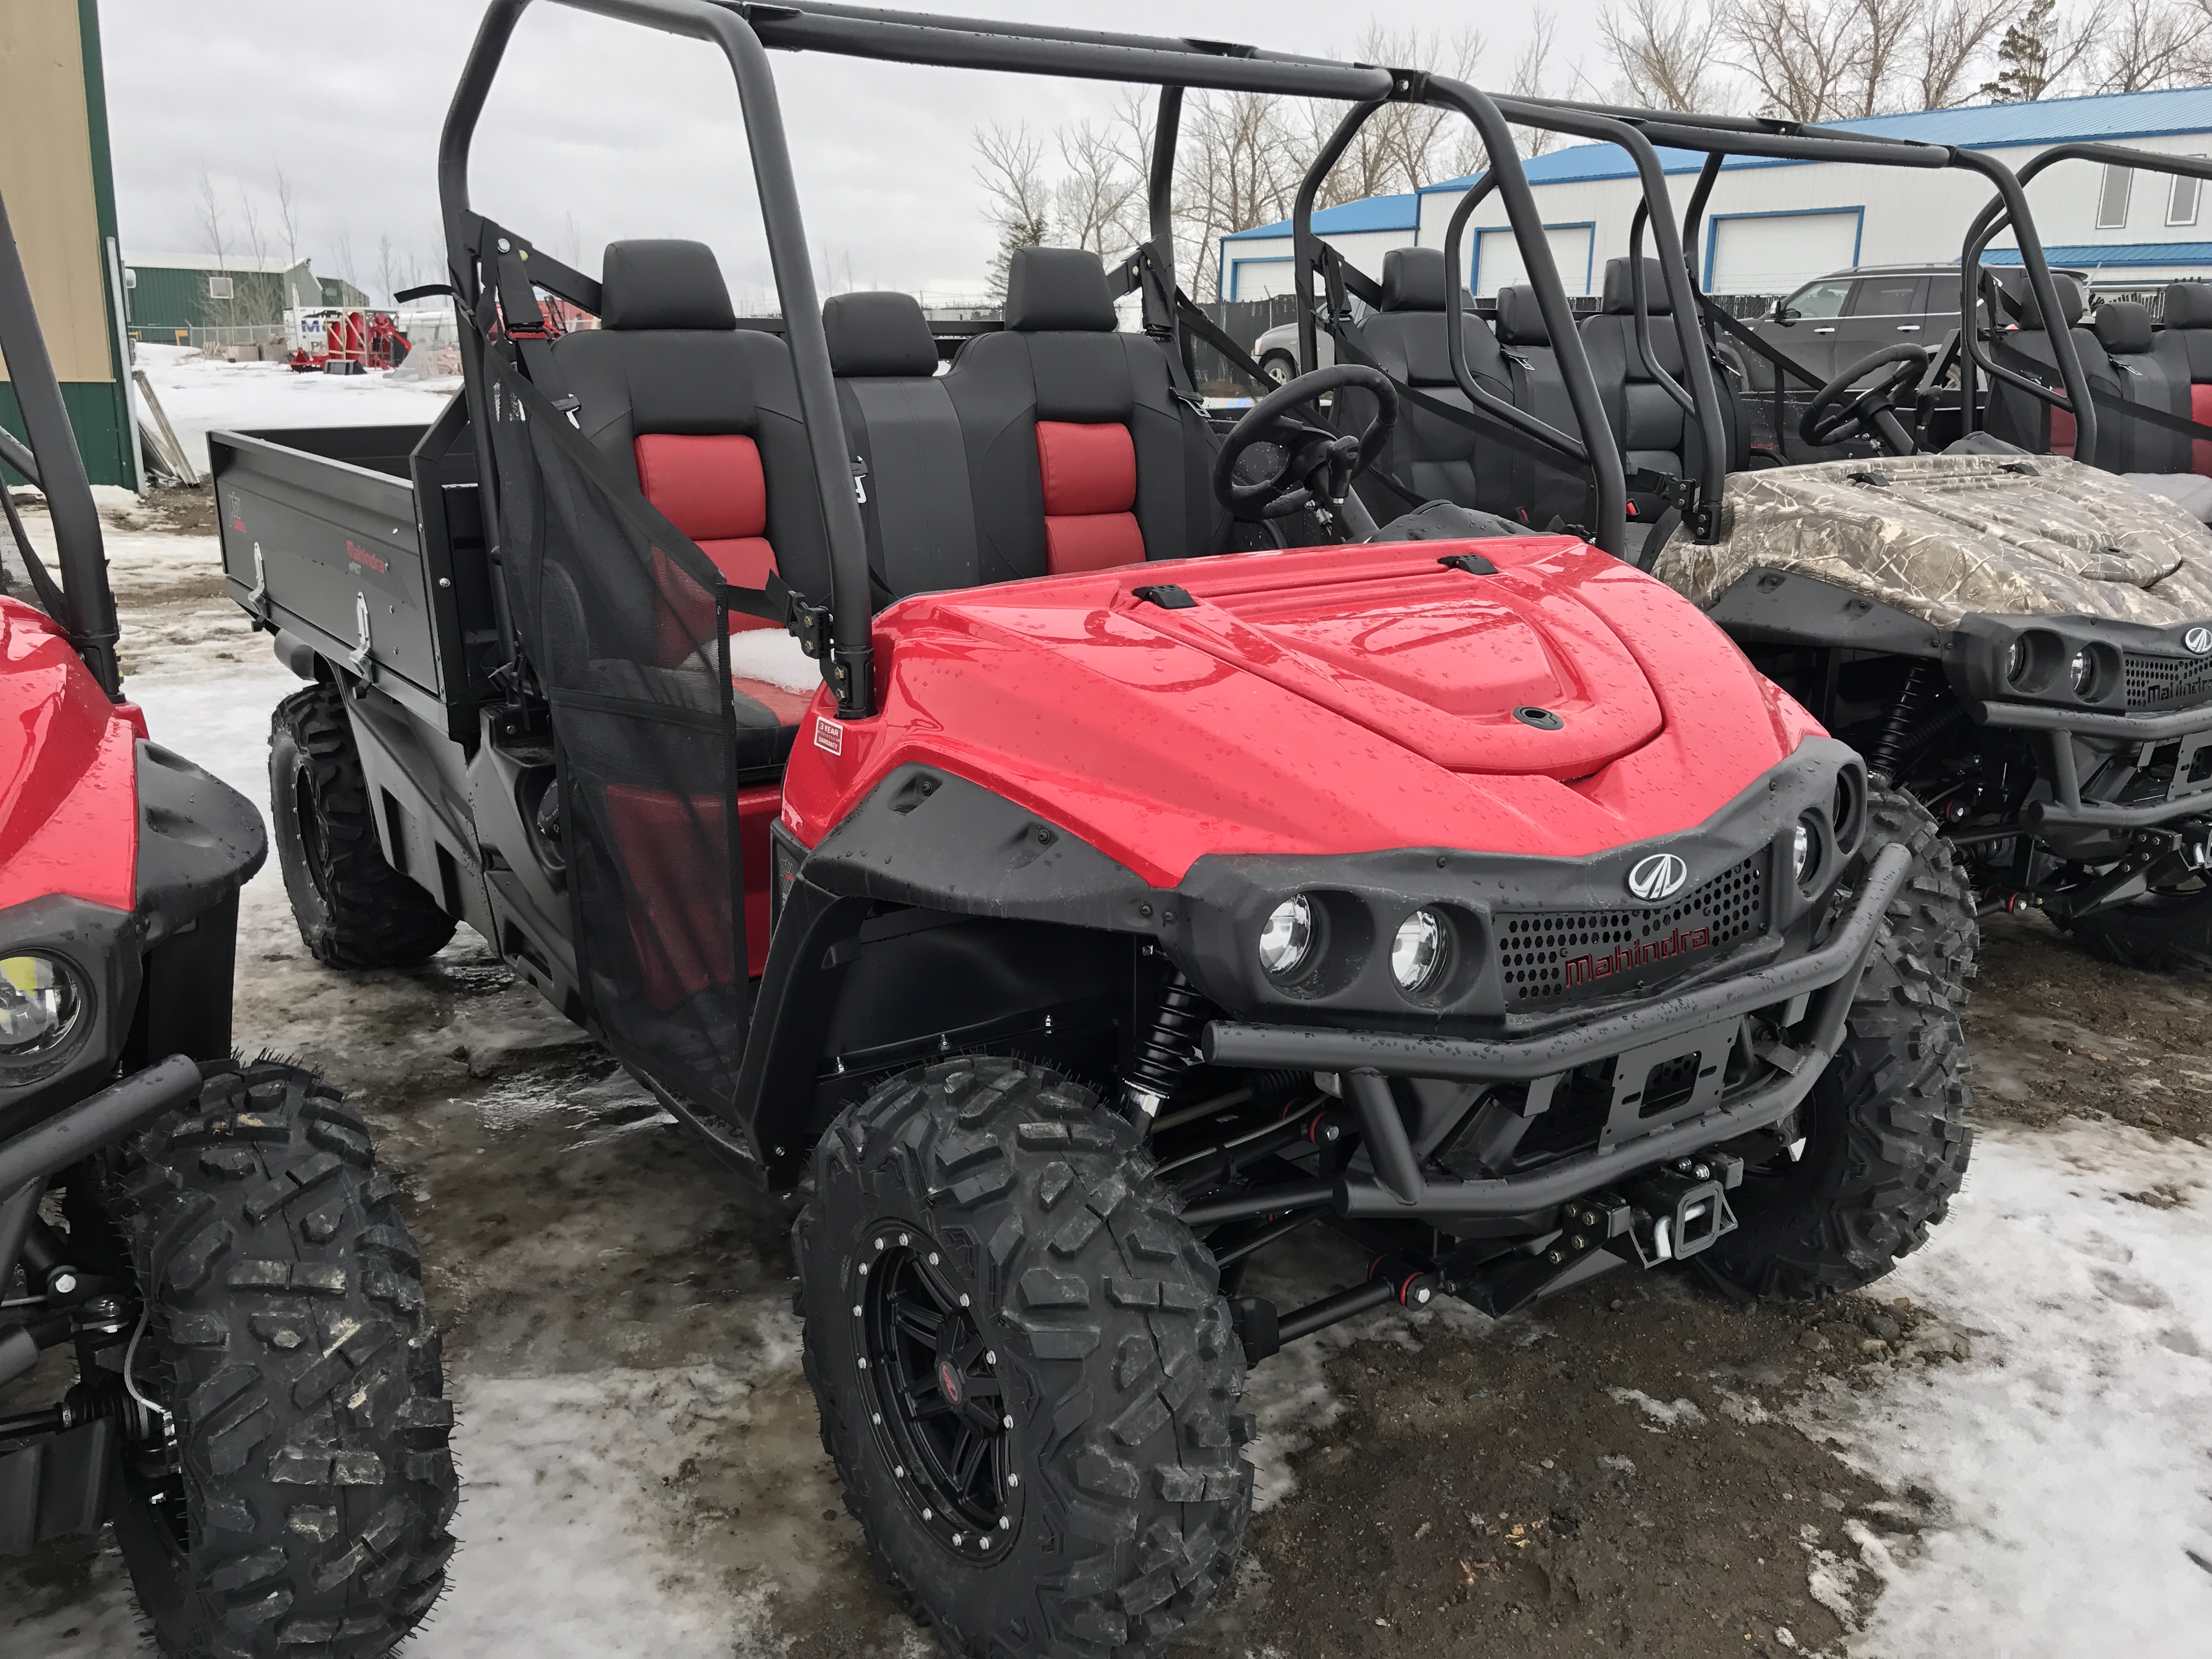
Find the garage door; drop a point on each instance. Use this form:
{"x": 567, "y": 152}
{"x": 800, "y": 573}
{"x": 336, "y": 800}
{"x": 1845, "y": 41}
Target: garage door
{"x": 1771, "y": 253}
{"x": 1259, "y": 279}
{"x": 1497, "y": 262}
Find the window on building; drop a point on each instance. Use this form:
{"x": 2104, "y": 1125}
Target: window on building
{"x": 218, "y": 288}
{"x": 2113, "y": 197}
{"x": 129, "y": 277}
{"x": 2182, "y": 198}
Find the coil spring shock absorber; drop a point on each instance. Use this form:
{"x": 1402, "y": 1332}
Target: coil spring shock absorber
{"x": 1166, "y": 1052}
{"x": 1912, "y": 700}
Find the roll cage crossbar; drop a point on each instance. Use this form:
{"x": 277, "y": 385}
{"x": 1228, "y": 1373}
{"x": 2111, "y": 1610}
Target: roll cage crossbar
{"x": 83, "y": 603}
{"x": 1975, "y": 357}
{"x": 490, "y": 281}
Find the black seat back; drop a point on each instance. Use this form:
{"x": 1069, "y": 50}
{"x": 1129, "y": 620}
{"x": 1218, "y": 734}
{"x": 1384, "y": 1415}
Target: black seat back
{"x": 701, "y": 415}
{"x": 2145, "y": 376}
{"x": 2185, "y": 345}
{"x": 2021, "y": 417}
{"x": 1080, "y": 455}
{"x": 909, "y": 464}
{"x": 1542, "y": 491}
{"x": 1407, "y": 339}
{"x": 1654, "y": 431}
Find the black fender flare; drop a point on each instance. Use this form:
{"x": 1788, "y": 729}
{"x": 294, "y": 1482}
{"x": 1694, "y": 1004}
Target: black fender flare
{"x": 923, "y": 837}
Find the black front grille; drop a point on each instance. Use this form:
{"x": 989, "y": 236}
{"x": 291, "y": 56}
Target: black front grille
{"x": 2158, "y": 682}
{"x": 1568, "y": 956}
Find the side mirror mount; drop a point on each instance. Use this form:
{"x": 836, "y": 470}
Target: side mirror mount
{"x": 1782, "y": 313}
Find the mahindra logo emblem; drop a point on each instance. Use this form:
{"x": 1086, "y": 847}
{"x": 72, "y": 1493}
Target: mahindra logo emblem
{"x": 1659, "y": 876}
{"x": 2198, "y": 639}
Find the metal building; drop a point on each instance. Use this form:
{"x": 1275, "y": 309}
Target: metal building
{"x": 56, "y": 178}
{"x": 1775, "y": 224}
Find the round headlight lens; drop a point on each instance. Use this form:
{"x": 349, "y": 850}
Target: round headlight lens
{"x": 2082, "y": 671}
{"x": 1801, "y": 850}
{"x": 1286, "y": 943}
{"x": 2016, "y": 661}
{"x": 39, "y": 1003}
{"x": 1420, "y": 952}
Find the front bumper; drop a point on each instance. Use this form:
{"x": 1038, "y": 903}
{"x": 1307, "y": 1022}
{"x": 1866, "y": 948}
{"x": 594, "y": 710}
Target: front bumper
{"x": 1637, "y": 1040}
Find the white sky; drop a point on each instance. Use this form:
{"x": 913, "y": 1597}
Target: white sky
{"x": 597, "y": 129}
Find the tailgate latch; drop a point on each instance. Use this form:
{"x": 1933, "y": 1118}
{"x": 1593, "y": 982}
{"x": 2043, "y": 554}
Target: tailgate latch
{"x": 360, "y": 658}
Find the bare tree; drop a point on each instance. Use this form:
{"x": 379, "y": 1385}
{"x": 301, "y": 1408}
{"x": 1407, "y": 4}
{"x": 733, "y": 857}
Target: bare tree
{"x": 1241, "y": 169}
{"x": 1885, "y": 40}
{"x": 1803, "y": 55}
{"x": 288, "y": 217}
{"x": 1099, "y": 202}
{"x": 1010, "y": 166}
{"x": 1949, "y": 35}
{"x": 387, "y": 267}
{"x": 1666, "y": 57}
{"x": 2149, "y": 43}
{"x": 215, "y": 233}
{"x": 1529, "y": 72}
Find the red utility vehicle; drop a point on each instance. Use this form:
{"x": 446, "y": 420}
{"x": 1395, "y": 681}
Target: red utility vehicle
{"x": 211, "y": 1324}
{"x": 905, "y": 777}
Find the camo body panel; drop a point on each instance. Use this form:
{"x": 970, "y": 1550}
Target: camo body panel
{"x": 1943, "y": 537}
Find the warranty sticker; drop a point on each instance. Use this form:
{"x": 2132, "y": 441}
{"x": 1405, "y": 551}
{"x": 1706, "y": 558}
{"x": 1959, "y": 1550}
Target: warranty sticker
{"x": 829, "y": 736}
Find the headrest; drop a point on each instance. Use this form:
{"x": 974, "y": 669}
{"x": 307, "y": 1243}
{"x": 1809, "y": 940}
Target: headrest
{"x": 1519, "y": 321}
{"x": 2123, "y": 326}
{"x": 881, "y": 335}
{"x": 663, "y": 284}
{"x": 2188, "y": 305}
{"x": 1619, "y": 301}
{"x": 1413, "y": 279}
{"x": 2027, "y": 314}
{"x": 1057, "y": 288}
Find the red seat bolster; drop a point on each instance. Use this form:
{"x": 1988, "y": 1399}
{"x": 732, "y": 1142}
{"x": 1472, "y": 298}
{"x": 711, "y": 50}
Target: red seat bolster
{"x": 2200, "y": 410}
{"x": 1089, "y": 472}
{"x": 711, "y": 487}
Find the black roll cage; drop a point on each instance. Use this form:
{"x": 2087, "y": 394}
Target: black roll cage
{"x": 747, "y": 30}
{"x": 51, "y": 461}
{"x": 1641, "y": 132}
{"x": 1974, "y": 356}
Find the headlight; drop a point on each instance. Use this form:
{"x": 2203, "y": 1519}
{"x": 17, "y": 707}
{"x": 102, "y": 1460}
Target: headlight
{"x": 2016, "y": 661}
{"x": 1801, "y": 850}
{"x": 1420, "y": 952}
{"x": 1286, "y": 943}
{"x": 39, "y": 1003}
{"x": 2082, "y": 671}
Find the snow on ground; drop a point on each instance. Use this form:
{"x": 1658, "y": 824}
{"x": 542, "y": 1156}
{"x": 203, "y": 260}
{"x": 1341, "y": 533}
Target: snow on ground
{"x": 200, "y": 393}
{"x": 2073, "y": 1455}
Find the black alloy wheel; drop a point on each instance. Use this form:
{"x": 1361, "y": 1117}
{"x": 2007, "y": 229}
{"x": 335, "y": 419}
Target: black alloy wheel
{"x": 939, "y": 1410}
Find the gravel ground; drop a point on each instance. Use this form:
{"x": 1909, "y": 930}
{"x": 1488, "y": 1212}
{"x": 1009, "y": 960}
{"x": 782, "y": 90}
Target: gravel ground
{"x": 1636, "y": 1466}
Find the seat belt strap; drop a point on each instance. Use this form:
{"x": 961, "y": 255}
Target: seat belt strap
{"x": 2020, "y": 362}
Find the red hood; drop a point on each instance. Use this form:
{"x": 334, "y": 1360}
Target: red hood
{"x": 69, "y": 784}
{"x": 1339, "y": 699}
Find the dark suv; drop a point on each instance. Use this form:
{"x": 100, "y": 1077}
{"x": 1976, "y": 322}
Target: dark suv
{"x": 1833, "y": 321}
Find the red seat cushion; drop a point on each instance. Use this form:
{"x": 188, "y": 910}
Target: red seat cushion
{"x": 711, "y": 488}
{"x": 2200, "y": 410}
{"x": 1089, "y": 472}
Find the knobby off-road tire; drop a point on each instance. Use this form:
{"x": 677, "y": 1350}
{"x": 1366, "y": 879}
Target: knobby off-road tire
{"x": 1886, "y": 1128}
{"x": 310, "y": 1484}
{"x": 354, "y": 909}
{"x": 1935, "y": 913}
{"x": 2160, "y": 932}
{"x": 1124, "y": 1493}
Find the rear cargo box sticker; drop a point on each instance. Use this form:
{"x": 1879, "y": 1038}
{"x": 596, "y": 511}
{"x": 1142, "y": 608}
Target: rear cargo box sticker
{"x": 829, "y": 736}
{"x": 361, "y": 555}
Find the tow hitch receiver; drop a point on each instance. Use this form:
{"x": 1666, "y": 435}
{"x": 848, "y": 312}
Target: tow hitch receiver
{"x": 1684, "y": 1208}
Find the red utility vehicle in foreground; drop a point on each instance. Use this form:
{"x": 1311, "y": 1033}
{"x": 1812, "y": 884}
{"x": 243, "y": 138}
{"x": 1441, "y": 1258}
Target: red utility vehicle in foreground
{"x": 903, "y": 776}
{"x": 211, "y": 1323}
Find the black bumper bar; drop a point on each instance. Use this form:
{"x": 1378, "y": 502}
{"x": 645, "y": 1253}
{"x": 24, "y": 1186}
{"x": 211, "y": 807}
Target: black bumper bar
{"x": 41, "y": 1153}
{"x": 2070, "y": 811}
{"x": 1831, "y": 974}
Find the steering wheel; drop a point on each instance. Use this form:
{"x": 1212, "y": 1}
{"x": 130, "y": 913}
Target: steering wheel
{"x": 1835, "y": 415}
{"x": 1319, "y": 464}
